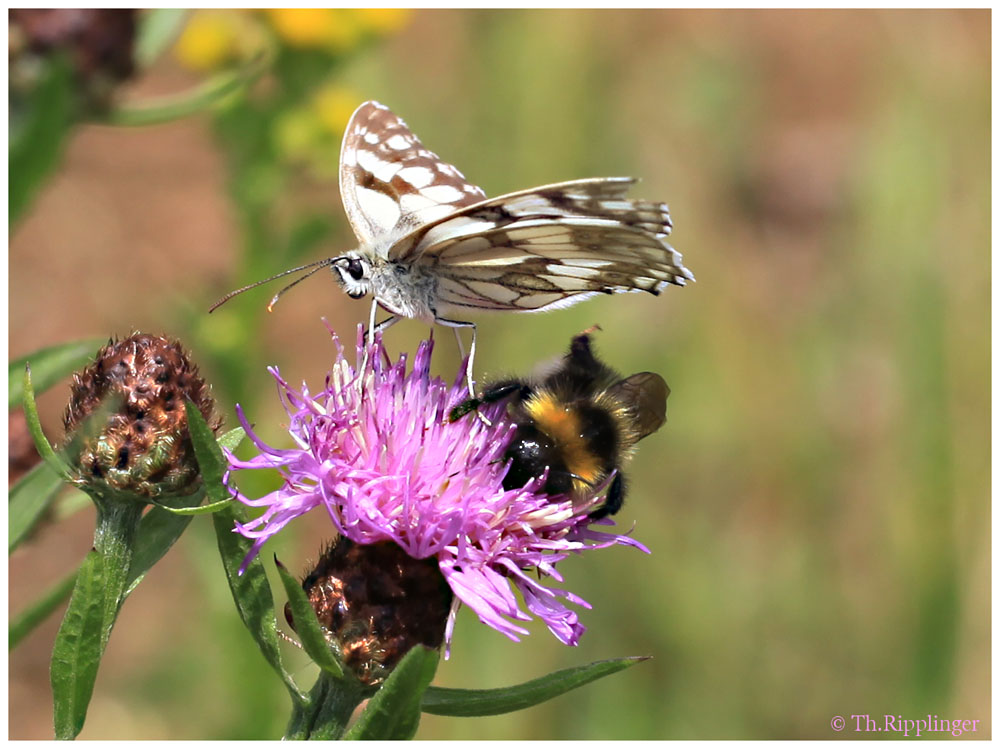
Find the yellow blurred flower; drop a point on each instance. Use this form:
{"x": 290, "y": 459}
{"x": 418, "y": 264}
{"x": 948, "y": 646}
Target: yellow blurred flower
{"x": 214, "y": 38}
{"x": 209, "y": 40}
{"x": 334, "y": 105}
{"x": 331, "y": 28}
{"x": 296, "y": 134}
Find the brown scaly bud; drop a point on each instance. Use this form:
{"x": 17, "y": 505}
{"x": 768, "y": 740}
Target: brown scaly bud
{"x": 374, "y": 603}
{"x": 98, "y": 42}
{"x": 137, "y": 439}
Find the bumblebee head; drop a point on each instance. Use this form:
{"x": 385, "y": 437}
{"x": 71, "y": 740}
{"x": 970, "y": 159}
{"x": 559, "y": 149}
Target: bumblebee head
{"x": 353, "y": 272}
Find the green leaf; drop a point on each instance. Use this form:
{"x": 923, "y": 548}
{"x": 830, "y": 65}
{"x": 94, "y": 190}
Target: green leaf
{"x": 200, "y": 510}
{"x": 332, "y": 702}
{"x": 211, "y": 462}
{"x": 158, "y": 531}
{"x": 198, "y": 99}
{"x": 30, "y": 497}
{"x": 232, "y": 439}
{"x": 24, "y": 623}
{"x": 394, "y": 711}
{"x": 48, "y": 366}
{"x": 468, "y": 703}
{"x": 78, "y": 649}
{"x": 115, "y": 539}
{"x": 251, "y": 591}
{"x": 307, "y": 626}
{"x": 38, "y": 131}
{"x": 35, "y": 428}
{"x": 157, "y": 30}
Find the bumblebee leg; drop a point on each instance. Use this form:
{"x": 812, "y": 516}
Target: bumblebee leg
{"x": 613, "y": 500}
{"x": 492, "y": 394}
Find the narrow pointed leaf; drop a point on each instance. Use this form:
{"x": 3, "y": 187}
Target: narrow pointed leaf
{"x": 38, "y": 128}
{"x": 251, "y": 591}
{"x": 115, "y": 540}
{"x": 29, "y": 498}
{"x": 307, "y": 625}
{"x": 211, "y": 462}
{"x": 232, "y": 439}
{"x": 25, "y": 622}
{"x": 48, "y": 366}
{"x": 158, "y": 531}
{"x": 467, "y": 703}
{"x": 393, "y": 713}
{"x": 35, "y": 428}
{"x": 200, "y": 510}
{"x": 78, "y": 648}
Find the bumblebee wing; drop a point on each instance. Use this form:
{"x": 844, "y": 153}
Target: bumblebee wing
{"x": 645, "y": 395}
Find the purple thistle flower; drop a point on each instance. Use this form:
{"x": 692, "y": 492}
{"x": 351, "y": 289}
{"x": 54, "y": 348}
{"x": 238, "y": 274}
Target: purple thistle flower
{"x": 387, "y": 465}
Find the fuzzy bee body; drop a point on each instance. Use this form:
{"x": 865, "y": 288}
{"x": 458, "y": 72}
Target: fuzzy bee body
{"x": 580, "y": 424}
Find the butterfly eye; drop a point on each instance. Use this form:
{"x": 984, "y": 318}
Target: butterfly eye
{"x": 355, "y": 269}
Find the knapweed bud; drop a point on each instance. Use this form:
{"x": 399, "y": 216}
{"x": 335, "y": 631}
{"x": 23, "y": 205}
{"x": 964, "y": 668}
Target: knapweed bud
{"x": 374, "y": 603}
{"x": 98, "y": 43}
{"x": 136, "y": 440}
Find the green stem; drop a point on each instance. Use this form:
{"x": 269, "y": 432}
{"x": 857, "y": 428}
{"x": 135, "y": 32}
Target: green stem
{"x": 197, "y": 99}
{"x": 326, "y": 713}
{"x": 117, "y": 526}
{"x": 93, "y": 608}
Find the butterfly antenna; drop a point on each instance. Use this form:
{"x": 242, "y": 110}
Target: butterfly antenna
{"x": 317, "y": 265}
{"x": 296, "y": 282}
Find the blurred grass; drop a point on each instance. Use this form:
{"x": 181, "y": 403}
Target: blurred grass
{"x": 818, "y": 503}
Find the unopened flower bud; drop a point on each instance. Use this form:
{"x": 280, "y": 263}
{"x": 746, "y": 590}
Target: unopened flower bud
{"x": 374, "y": 603}
{"x": 97, "y": 41}
{"x": 126, "y": 424}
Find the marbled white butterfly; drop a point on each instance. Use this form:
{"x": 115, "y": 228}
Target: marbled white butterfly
{"x": 432, "y": 246}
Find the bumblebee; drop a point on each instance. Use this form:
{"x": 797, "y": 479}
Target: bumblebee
{"x": 581, "y": 422}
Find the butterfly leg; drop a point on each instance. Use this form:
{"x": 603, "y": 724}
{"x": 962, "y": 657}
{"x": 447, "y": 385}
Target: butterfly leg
{"x": 456, "y": 324}
{"x": 370, "y": 337}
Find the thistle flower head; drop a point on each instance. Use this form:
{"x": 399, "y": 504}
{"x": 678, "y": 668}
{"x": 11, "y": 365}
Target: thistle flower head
{"x": 374, "y": 602}
{"x": 126, "y": 426}
{"x": 383, "y": 461}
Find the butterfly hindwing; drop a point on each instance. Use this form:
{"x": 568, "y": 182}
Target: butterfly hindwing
{"x": 548, "y": 247}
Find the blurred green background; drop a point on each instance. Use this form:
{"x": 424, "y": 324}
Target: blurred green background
{"x": 818, "y": 504}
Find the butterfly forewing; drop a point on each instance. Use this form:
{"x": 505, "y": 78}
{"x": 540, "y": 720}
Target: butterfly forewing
{"x": 389, "y": 183}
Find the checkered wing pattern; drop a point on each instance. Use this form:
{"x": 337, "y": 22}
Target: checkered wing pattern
{"x": 549, "y": 247}
{"x": 531, "y": 250}
{"x": 389, "y": 183}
